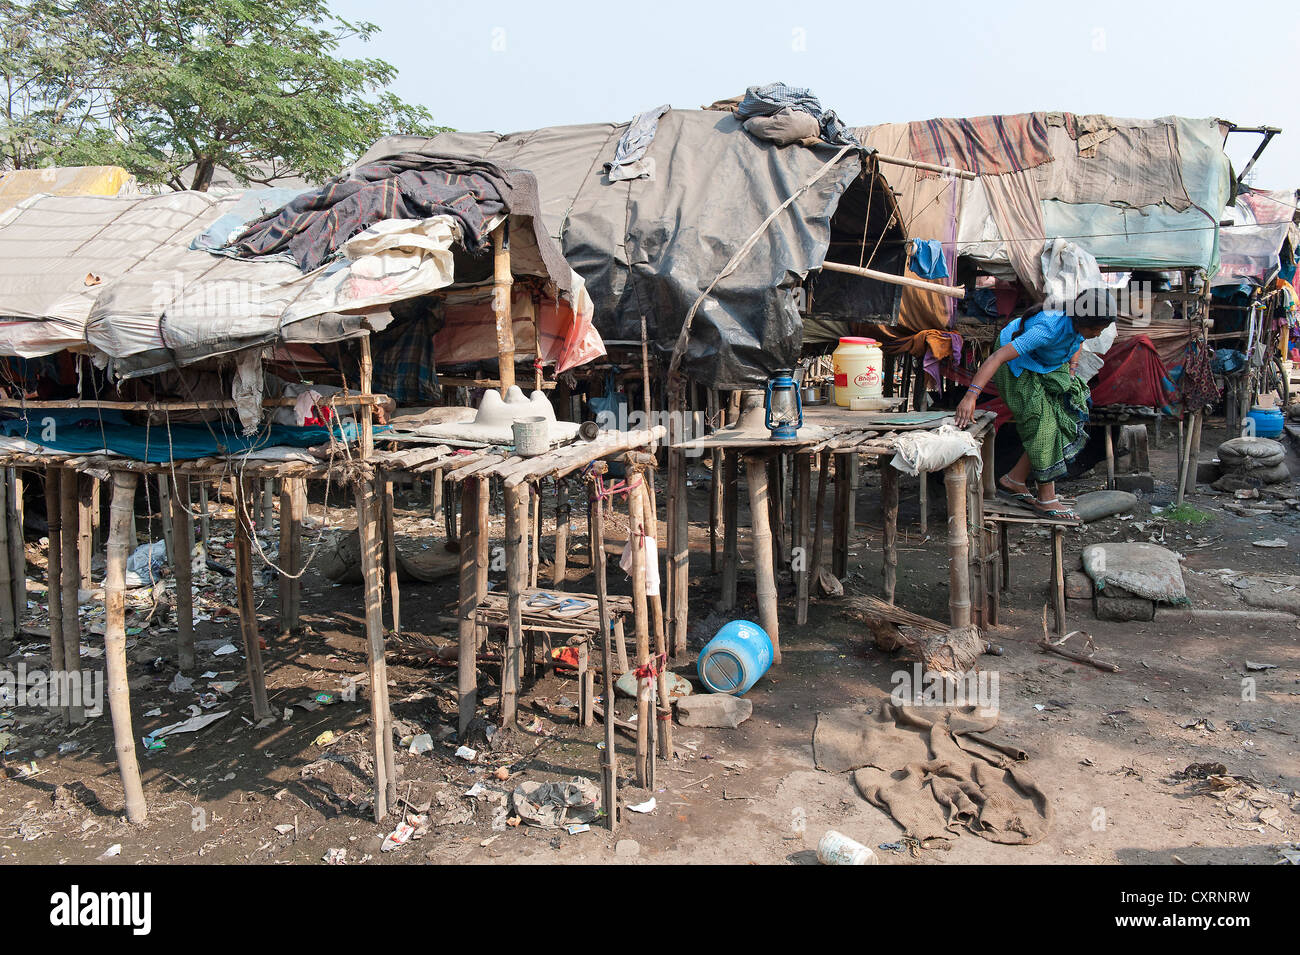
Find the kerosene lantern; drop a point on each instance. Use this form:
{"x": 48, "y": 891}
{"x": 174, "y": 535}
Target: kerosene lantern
{"x": 782, "y": 407}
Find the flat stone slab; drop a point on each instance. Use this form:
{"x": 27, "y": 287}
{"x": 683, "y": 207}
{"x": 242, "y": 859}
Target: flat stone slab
{"x": 714, "y": 709}
{"x": 1279, "y": 592}
{"x": 1095, "y": 505}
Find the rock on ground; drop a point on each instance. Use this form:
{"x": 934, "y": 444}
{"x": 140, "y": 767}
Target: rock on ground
{"x": 714, "y": 709}
{"x": 1095, "y": 505}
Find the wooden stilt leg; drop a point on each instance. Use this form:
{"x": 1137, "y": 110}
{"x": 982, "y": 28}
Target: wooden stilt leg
{"x": 889, "y": 522}
{"x": 535, "y": 533}
{"x": 119, "y": 701}
{"x": 851, "y": 504}
{"x": 70, "y": 575}
{"x": 268, "y": 507}
{"x": 435, "y": 498}
{"x": 205, "y": 519}
{"x": 923, "y": 497}
{"x": 681, "y": 562}
{"x": 368, "y": 520}
{"x": 562, "y": 519}
{"x": 730, "y": 542}
{"x": 516, "y": 581}
{"x": 823, "y": 478}
{"x": 775, "y": 515}
{"x": 840, "y": 528}
{"x": 244, "y": 503}
{"x": 17, "y": 551}
{"x": 609, "y": 761}
{"x": 165, "y": 517}
{"x": 1110, "y": 457}
{"x": 183, "y": 571}
{"x": 987, "y": 446}
{"x": 1194, "y": 452}
{"x": 954, "y": 477}
{"x": 756, "y": 478}
{"x": 54, "y": 573}
{"x": 803, "y": 560}
{"x": 663, "y": 706}
{"x": 1058, "y": 577}
{"x": 85, "y": 528}
{"x": 474, "y": 553}
{"x": 389, "y": 521}
{"x": 644, "y": 714}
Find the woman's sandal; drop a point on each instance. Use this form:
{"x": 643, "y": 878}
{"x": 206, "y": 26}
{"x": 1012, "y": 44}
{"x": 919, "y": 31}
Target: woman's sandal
{"x": 1060, "y": 513}
{"x": 1016, "y": 497}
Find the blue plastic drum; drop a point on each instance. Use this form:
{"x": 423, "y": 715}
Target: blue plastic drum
{"x": 736, "y": 658}
{"x": 1268, "y": 422}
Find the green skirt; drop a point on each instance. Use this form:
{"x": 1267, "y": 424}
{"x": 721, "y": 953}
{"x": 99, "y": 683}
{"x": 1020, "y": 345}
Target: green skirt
{"x": 1050, "y": 412}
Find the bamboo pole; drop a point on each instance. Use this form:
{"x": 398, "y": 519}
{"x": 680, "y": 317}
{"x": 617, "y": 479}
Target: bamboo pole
{"x": 730, "y": 536}
{"x": 609, "y": 762}
{"x": 474, "y": 548}
{"x": 889, "y": 521}
{"x": 819, "y": 534}
{"x": 389, "y": 522}
{"x": 165, "y": 517}
{"x": 290, "y": 553}
{"x": 803, "y": 478}
{"x": 516, "y": 575}
{"x": 17, "y": 551}
{"x": 756, "y": 477}
{"x": 86, "y": 497}
{"x": 502, "y": 279}
{"x": 562, "y": 518}
{"x": 246, "y": 601}
{"x": 947, "y": 291}
{"x": 636, "y": 527}
{"x": 367, "y": 371}
{"x": 959, "y": 611}
{"x": 205, "y": 519}
{"x": 183, "y": 523}
{"x": 840, "y": 518}
{"x": 663, "y": 705}
{"x": 70, "y": 577}
{"x": 119, "y": 701}
{"x": 54, "y": 572}
{"x": 380, "y": 716}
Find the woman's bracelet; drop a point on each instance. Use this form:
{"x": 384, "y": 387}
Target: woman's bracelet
{"x": 975, "y": 388}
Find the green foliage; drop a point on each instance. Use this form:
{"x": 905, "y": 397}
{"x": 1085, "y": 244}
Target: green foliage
{"x": 1186, "y": 514}
{"x": 173, "y": 89}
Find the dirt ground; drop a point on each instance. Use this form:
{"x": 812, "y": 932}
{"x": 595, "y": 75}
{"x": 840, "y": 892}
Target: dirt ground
{"x": 1104, "y": 746}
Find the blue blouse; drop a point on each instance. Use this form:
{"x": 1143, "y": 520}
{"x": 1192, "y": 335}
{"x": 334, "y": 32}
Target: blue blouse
{"x": 1048, "y": 342}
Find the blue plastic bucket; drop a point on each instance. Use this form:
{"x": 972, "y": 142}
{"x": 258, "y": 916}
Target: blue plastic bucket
{"x": 736, "y": 658}
{"x": 1268, "y": 422}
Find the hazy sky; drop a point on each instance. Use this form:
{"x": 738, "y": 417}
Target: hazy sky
{"x": 507, "y": 66}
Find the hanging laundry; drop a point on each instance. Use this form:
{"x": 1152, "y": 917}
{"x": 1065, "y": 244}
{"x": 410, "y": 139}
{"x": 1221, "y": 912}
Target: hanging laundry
{"x": 927, "y": 259}
{"x": 629, "y": 155}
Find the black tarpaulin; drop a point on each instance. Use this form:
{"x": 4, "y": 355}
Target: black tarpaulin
{"x": 648, "y": 247}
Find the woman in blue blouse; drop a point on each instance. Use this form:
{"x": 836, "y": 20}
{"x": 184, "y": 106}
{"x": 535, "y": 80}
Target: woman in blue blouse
{"x": 1034, "y": 371}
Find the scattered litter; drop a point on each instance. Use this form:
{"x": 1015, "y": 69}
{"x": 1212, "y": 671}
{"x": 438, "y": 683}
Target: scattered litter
{"x": 180, "y": 684}
{"x": 1260, "y": 666}
{"x": 643, "y": 807}
{"x": 421, "y": 744}
{"x": 114, "y": 850}
{"x": 464, "y": 752}
{"x": 1271, "y": 542}
{"x": 324, "y": 739}
{"x": 574, "y": 830}
{"x": 191, "y": 725}
{"x": 225, "y": 650}
{"x": 398, "y": 837}
{"x": 552, "y": 805}
{"x": 335, "y": 857}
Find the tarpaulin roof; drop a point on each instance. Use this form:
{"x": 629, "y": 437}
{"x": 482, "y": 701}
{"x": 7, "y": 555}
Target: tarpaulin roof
{"x": 1263, "y": 221}
{"x": 19, "y": 184}
{"x": 648, "y": 247}
{"x": 118, "y": 277}
{"x": 1136, "y": 194}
